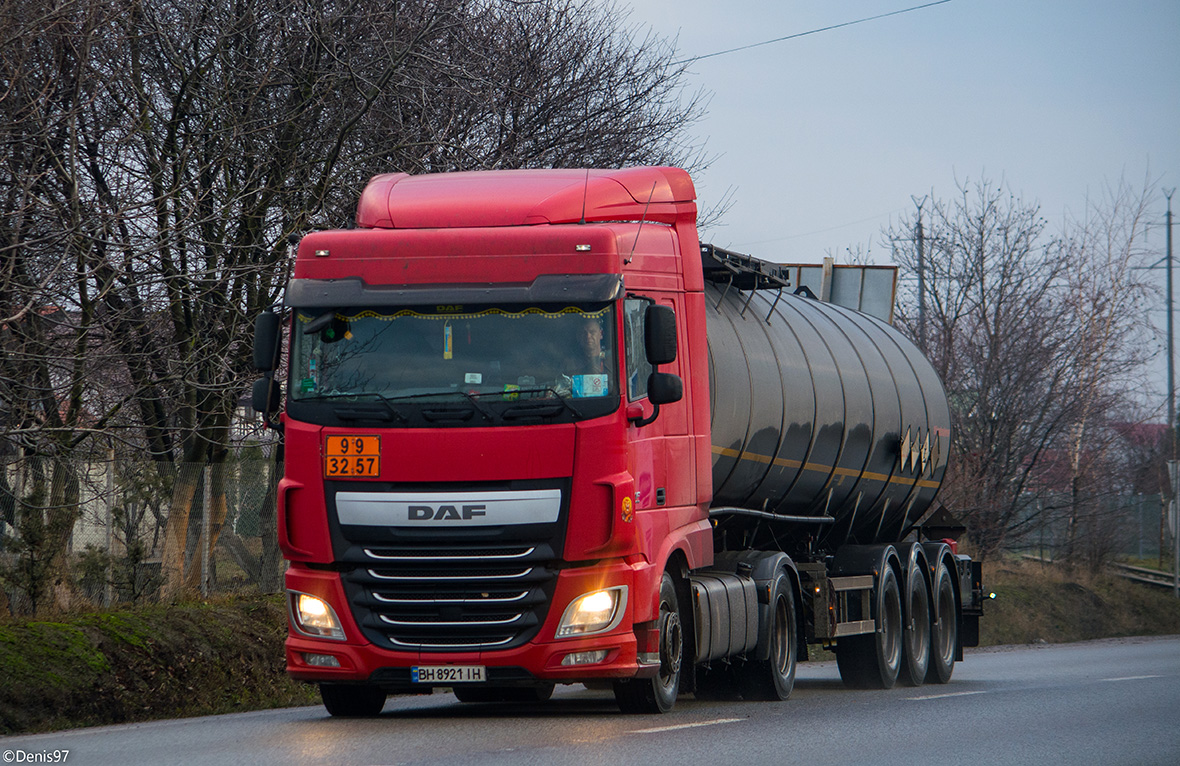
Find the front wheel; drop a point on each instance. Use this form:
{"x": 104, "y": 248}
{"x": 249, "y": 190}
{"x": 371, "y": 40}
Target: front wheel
{"x": 658, "y": 694}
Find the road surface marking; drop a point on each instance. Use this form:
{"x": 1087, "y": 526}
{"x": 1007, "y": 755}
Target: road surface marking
{"x": 687, "y": 726}
{"x": 944, "y": 696}
{"x": 1131, "y": 678}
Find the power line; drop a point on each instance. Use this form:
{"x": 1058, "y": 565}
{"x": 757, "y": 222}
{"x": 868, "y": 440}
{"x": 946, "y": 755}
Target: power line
{"x": 809, "y": 32}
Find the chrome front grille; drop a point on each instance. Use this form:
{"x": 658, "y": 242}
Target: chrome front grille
{"x": 433, "y": 598}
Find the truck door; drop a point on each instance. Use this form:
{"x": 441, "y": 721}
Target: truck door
{"x": 661, "y": 456}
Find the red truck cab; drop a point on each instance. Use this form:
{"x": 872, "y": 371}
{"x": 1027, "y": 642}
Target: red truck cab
{"x": 486, "y": 476}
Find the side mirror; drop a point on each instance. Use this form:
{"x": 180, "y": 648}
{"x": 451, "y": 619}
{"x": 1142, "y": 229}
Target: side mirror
{"x": 659, "y": 334}
{"x": 664, "y": 388}
{"x": 266, "y": 396}
{"x": 267, "y": 333}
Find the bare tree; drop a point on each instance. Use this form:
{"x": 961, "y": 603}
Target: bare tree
{"x": 162, "y": 153}
{"x": 48, "y": 323}
{"x": 1033, "y": 335}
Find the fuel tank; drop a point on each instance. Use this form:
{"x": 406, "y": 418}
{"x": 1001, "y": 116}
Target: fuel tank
{"x": 822, "y": 412}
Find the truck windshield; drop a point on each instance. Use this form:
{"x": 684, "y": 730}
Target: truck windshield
{"x": 482, "y": 354}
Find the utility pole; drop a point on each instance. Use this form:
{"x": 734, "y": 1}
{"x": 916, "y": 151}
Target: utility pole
{"x": 1173, "y": 485}
{"x": 1171, "y": 377}
{"x": 1172, "y": 405}
{"x": 920, "y": 239}
{"x": 921, "y": 285}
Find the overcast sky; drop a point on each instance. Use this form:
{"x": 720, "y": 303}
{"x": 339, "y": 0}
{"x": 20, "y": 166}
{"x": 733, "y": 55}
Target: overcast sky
{"x": 824, "y": 138}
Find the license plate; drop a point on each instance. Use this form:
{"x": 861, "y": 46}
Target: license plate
{"x": 350, "y": 456}
{"x": 448, "y": 674}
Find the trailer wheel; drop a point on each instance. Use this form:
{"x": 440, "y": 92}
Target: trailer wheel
{"x": 658, "y": 694}
{"x": 873, "y": 660}
{"x": 945, "y": 632}
{"x": 774, "y": 677}
{"x": 915, "y": 646}
{"x": 352, "y": 700}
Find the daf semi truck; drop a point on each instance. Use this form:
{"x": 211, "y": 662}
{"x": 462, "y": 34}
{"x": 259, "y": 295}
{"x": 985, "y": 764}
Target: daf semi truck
{"x": 536, "y": 433}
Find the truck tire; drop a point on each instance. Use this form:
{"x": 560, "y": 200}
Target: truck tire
{"x": 523, "y": 694}
{"x": 658, "y": 694}
{"x": 774, "y": 678}
{"x": 944, "y": 634}
{"x": 873, "y": 660}
{"x": 915, "y": 645}
{"x": 352, "y": 700}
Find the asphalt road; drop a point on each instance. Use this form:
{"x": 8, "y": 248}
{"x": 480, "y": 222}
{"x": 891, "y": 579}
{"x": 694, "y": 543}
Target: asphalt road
{"x": 1106, "y": 702}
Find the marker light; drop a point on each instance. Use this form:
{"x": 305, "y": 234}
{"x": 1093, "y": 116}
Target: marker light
{"x": 595, "y": 612}
{"x": 314, "y": 617}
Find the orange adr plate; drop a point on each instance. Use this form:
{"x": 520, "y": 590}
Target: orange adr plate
{"x": 348, "y": 456}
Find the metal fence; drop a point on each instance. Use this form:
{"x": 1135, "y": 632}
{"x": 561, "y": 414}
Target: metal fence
{"x": 1113, "y": 527}
{"x": 103, "y": 532}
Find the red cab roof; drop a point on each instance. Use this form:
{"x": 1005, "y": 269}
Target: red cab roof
{"x": 525, "y": 197}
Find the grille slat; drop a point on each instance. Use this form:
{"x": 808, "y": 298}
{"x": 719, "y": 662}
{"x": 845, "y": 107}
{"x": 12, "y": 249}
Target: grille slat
{"x": 428, "y": 600}
{"x": 428, "y": 576}
{"x": 459, "y": 624}
{"x": 443, "y": 645}
{"x": 380, "y": 554}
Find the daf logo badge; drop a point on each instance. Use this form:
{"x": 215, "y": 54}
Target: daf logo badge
{"x": 446, "y": 512}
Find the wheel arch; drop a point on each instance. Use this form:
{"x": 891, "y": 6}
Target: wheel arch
{"x": 867, "y": 559}
{"x": 918, "y": 559}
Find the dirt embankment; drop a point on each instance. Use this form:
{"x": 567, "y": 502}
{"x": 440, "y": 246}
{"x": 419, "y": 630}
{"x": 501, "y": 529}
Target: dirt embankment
{"x": 1038, "y": 603}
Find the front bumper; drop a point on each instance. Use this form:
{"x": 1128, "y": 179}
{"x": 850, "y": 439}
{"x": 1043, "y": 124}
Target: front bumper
{"x": 539, "y": 660}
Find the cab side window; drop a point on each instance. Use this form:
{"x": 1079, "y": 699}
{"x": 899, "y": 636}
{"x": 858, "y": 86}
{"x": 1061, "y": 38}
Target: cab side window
{"x": 638, "y": 368}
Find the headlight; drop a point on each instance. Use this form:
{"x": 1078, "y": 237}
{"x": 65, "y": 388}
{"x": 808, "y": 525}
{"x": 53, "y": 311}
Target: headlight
{"x": 314, "y": 617}
{"x": 595, "y": 612}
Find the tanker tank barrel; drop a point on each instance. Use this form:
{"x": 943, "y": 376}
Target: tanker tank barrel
{"x": 821, "y": 415}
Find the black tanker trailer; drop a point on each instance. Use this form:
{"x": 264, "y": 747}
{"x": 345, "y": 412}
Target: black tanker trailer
{"x": 830, "y": 434}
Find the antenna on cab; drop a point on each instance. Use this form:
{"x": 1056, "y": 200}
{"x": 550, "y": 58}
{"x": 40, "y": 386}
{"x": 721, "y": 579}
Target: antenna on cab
{"x": 642, "y": 218}
{"x": 585, "y": 193}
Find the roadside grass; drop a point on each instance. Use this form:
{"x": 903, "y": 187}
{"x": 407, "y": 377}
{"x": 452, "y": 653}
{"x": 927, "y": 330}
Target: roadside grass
{"x": 163, "y": 661}
{"x": 171, "y": 661}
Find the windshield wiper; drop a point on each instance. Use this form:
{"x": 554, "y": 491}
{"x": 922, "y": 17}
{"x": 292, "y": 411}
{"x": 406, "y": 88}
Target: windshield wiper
{"x": 474, "y": 399}
{"x": 385, "y": 413}
{"x": 446, "y": 414}
{"x": 540, "y": 408}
